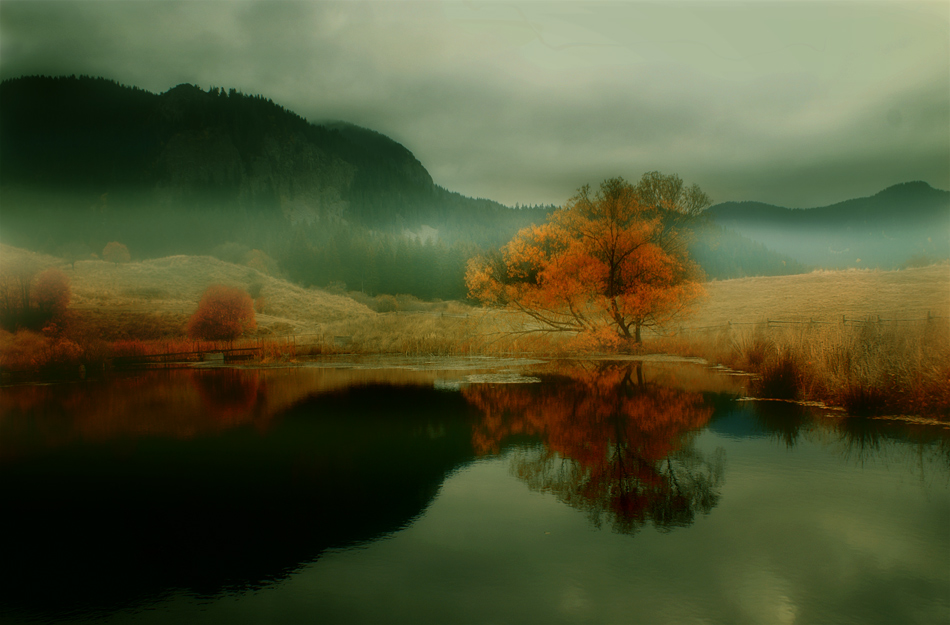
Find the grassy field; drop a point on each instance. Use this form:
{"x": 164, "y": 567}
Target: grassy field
{"x": 165, "y": 292}
{"x": 873, "y": 342}
{"x": 828, "y": 296}
{"x": 900, "y": 364}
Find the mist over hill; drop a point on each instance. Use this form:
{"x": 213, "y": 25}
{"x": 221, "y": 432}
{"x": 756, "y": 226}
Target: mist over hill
{"x": 904, "y": 223}
{"x": 96, "y": 147}
{"x": 85, "y": 161}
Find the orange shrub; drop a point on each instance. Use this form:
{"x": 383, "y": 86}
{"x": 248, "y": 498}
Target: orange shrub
{"x": 224, "y": 314}
{"x": 30, "y": 351}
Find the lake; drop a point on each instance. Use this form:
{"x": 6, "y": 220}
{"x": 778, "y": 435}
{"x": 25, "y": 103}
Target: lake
{"x": 463, "y": 491}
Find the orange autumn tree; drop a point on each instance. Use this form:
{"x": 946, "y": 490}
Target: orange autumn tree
{"x": 224, "y": 314}
{"x": 607, "y": 264}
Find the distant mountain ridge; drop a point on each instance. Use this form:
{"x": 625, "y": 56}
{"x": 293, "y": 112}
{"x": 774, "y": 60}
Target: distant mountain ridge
{"x": 194, "y": 147}
{"x": 917, "y": 196}
{"x": 92, "y": 160}
{"x": 895, "y": 226}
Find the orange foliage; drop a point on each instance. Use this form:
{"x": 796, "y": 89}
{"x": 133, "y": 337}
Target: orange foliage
{"x": 613, "y": 446}
{"x": 224, "y": 314}
{"x": 605, "y": 265}
{"x": 31, "y": 351}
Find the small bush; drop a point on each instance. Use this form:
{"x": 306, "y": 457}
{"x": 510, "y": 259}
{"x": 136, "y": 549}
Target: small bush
{"x": 116, "y": 252}
{"x": 224, "y": 314}
{"x": 385, "y": 303}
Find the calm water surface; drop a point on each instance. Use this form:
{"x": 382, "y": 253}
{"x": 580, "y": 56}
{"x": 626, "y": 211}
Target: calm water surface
{"x": 463, "y": 491}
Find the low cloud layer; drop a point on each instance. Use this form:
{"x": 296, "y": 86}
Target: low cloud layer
{"x": 798, "y": 104}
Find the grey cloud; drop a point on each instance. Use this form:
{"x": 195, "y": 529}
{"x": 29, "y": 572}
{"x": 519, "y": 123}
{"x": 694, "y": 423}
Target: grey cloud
{"x": 796, "y": 104}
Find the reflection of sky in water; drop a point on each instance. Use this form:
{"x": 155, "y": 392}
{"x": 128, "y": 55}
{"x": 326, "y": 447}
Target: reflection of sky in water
{"x": 800, "y": 535}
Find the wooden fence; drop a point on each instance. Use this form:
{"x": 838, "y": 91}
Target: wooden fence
{"x": 173, "y": 359}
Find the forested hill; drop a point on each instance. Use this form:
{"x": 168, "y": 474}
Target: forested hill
{"x": 902, "y": 224}
{"x": 96, "y": 141}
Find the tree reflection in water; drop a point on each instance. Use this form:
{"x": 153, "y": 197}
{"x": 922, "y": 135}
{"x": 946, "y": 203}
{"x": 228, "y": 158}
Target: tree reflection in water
{"x": 614, "y": 446}
{"x": 228, "y": 395}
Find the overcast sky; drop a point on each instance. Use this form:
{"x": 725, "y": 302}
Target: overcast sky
{"x": 794, "y": 103}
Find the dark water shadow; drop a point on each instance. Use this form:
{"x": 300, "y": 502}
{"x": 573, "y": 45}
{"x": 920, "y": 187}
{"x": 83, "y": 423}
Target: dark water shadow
{"x": 92, "y": 528}
{"x": 912, "y": 446}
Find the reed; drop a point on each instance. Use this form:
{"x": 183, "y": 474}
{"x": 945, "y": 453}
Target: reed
{"x": 34, "y": 351}
{"x": 867, "y": 368}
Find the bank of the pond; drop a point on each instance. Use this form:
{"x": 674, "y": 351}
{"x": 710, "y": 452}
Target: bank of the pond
{"x": 869, "y": 371}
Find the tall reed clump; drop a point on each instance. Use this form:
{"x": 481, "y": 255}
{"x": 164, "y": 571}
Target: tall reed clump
{"x": 876, "y": 368}
{"x": 31, "y": 351}
{"x": 866, "y": 368}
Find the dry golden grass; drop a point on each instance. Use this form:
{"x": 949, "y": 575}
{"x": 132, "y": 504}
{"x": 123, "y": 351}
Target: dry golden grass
{"x": 464, "y": 331}
{"x": 136, "y": 293}
{"x": 867, "y": 368}
{"x": 179, "y": 281}
{"x": 898, "y": 366}
{"x": 827, "y": 296}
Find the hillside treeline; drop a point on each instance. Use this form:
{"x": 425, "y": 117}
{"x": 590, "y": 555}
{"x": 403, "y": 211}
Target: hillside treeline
{"x": 351, "y": 260}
